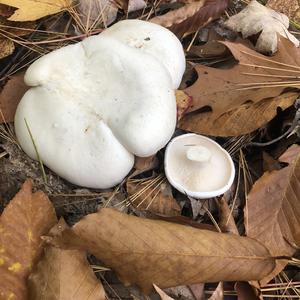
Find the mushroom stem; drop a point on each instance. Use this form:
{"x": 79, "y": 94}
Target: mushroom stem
{"x": 198, "y": 154}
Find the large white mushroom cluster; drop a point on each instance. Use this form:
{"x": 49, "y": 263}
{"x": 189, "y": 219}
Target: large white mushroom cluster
{"x": 93, "y": 105}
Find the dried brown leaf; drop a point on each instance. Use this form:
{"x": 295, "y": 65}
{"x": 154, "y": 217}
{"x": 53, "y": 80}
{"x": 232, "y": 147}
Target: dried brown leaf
{"x": 64, "y": 274}
{"x": 30, "y": 10}
{"x": 226, "y": 222}
{"x": 27, "y": 217}
{"x": 10, "y": 97}
{"x": 169, "y": 254}
{"x": 291, "y": 8}
{"x": 245, "y": 291}
{"x": 143, "y": 164}
{"x": 7, "y": 47}
{"x": 235, "y": 95}
{"x": 273, "y": 209}
{"x": 183, "y": 102}
{"x": 155, "y": 198}
{"x": 192, "y": 16}
{"x": 93, "y": 12}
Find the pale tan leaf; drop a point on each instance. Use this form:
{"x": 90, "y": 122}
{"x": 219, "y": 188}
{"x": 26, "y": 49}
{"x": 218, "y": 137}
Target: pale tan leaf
{"x": 169, "y": 254}
{"x": 27, "y": 217}
{"x": 273, "y": 209}
{"x": 228, "y": 102}
{"x": 258, "y": 19}
{"x": 218, "y": 293}
{"x": 10, "y": 97}
{"x": 162, "y": 294}
{"x": 30, "y": 10}
{"x": 64, "y": 274}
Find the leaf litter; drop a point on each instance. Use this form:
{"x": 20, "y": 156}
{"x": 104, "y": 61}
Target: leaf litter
{"x": 242, "y": 100}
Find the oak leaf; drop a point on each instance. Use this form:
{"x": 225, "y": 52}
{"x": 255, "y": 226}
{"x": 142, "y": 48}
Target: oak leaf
{"x": 273, "y": 209}
{"x": 229, "y": 102}
{"x": 64, "y": 274}
{"x": 26, "y": 218}
{"x": 258, "y": 19}
{"x": 31, "y": 10}
{"x": 192, "y": 16}
{"x": 10, "y": 97}
{"x": 169, "y": 254}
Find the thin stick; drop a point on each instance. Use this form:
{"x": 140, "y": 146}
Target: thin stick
{"x": 271, "y": 61}
{"x": 268, "y": 82}
{"x": 36, "y": 152}
{"x": 268, "y": 68}
{"x": 267, "y": 86}
{"x": 269, "y": 75}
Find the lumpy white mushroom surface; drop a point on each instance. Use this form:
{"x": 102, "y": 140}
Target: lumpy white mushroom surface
{"x": 93, "y": 105}
{"x": 197, "y": 166}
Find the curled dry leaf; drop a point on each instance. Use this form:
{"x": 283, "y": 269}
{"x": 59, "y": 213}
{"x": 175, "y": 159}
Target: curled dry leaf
{"x": 64, "y": 274}
{"x": 256, "y": 18}
{"x": 27, "y": 217}
{"x": 154, "y": 196}
{"x": 169, "y": 254}
{"x": 245, "y": 291}
{"x": 228, "y": 102}
{"x": 291, "y": 8}
{"x": 192, "y": 16}
{"x": 30, "y": 10}
{"x": 226, "y": 220}
{"x": 273, "y": 206}
{"x": 183, "y": 102}
{"x": 10, "y": 97}
{"x": 93, "y": 12}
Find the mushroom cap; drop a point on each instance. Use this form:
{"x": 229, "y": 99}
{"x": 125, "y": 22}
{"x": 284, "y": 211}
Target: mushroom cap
{"x": 154, "y": 40}
{"x": 92, "y": 107}
{"x": 198, "y": 166}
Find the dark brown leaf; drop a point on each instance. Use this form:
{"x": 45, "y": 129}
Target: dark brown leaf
{"x": 192, "y": 16}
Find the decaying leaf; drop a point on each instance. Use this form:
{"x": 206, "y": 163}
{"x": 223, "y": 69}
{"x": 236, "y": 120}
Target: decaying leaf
{"x": 169, "y": 254}
{"x": 27, "y": 217}
{"x": 245, "y": 291}
{"x": 273, "y": 209}
{"x": 10, "y": 97}
{"x": 64, "y": 274}
{"x": 143, "y": 164}
{"x": 154, "y": 196}
{"x": 291, "y": 8}
{"x": 183, "y": 102}
{"x": 226, "y": 222}
{"x": 256, "y": 18}
{"x": 30, "y": 10}
{"x": 192, "y": 16}
{"x": 93, "y": 12}
{"x": 7, "y": 47}
{"x": 226, "y": 102}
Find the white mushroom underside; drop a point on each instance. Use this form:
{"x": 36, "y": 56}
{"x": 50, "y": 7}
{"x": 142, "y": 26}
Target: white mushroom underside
{"x": 93, "y": 108}
{"x": 191, "y": 176}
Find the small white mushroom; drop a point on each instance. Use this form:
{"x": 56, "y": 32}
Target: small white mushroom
{"x": 198, "y": 166}
{"x": 92, "y": 106}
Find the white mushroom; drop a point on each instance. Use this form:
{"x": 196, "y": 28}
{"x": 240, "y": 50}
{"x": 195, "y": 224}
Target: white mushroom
{"x": 198, "y": 166}
{"x": 155, "y": 40}
{"x": 92, "y": 107}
